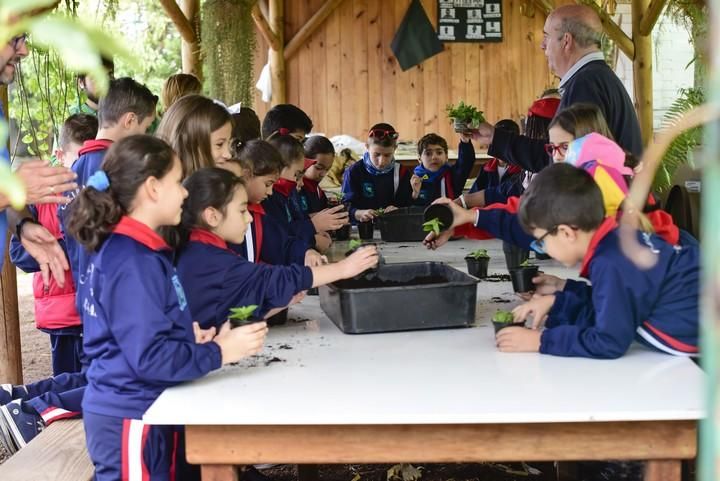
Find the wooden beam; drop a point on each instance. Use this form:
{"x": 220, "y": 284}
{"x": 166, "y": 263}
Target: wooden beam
{"x": 276, "y": 21}
{"x": 642, "y": 72}
{"x": 612, "y": 29}
{"x": 180, "y": 20}
{"x": 545, "y": 6}
{"x": 310, "y": 27}
{"x": 10, "y": 353}
{"x": 651, "y": 15}
{"x": 191, "y": 50}
{"x": 266, "y": 31}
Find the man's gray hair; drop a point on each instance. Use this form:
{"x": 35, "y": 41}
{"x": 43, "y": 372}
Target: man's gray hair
{"x": 581, "y": 32}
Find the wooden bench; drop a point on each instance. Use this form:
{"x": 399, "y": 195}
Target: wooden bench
{"x": 56, "y": 454}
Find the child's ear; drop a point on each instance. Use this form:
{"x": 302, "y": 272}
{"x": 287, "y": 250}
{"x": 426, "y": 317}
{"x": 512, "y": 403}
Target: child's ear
{"x": 567, "y": 232}
{"x": 245, "y": 173}
{"x": 211, "y": 217}
{"x": 128, "y": 120}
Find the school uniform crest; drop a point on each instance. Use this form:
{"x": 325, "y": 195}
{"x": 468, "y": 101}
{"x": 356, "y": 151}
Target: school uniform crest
{"x": 368, "y": 189}
{"x": 182, "y": 300}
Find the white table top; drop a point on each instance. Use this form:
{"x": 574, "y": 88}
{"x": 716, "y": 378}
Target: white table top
{"x": 429, "y": 377}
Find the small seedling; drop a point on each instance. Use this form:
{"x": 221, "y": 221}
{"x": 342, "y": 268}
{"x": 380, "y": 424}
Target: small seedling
{"x": 433, "y": 225}
{"x": 479, "y": 254}
{"x": 527, "y": 263}
{"x": 379, "y": 212}
{"x": 503, "y": 317}
{"x": 354, "y": 244}
{"x": 465, "y": 113}
{"x": 239, "y": 316}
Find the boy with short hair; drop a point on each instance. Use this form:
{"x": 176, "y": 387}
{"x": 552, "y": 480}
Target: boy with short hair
{"x": 288, "y": 117}
{"x": 76, "y": 130}
{"x": 658, "y": 306}
{"x": 377, "y": 181}
{"x": 434, "y": 177}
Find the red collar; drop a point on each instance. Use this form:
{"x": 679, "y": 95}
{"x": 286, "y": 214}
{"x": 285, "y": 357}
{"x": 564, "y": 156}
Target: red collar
{"x": 493, "y": 164}
{"x": 141, "y": 233}
{"x": 284, "y": 186}
{"x": 95, "y": 146}
{"x": 313, "y": 187}
{"x": 608, "y": 225}
{"x": 309, "y": 163}
{"x": 256, "y": 208}
{"x": 206, "y": 237}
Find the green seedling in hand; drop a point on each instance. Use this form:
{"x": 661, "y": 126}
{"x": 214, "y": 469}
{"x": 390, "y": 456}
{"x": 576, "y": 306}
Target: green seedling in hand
{"x": 239, "y": 316}
{"x": 479, "y": 254}
{"x": 354, "y": 244}
{"x": 527, "y": 263}
{"x": 379, "y": 212}
{"x": 503, "y": 317}
{"x": 433, "y": 225}
{"x": 465, "y": 113}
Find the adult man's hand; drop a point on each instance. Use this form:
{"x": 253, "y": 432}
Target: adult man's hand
{"x": 46, "y": 250}
{"x": 45, "y": 184}
{"x": 484, "y": 133}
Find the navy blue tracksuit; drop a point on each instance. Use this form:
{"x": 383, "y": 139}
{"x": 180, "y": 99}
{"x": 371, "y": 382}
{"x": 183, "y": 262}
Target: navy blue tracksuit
{"x": 362, "y": 190}
{"x": 452, "y": 182}
{"x": 284, "y": 206}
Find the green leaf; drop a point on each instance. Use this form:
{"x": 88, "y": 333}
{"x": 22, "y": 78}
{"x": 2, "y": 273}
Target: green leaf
{"x": 527, "y": 263}
{"x": 504, "y": 317}
{"x": 479, "y": 254}
{"x": 465, "y": 113}
{"x": 355, "y": 243}
{"x": 433, "y": 225}
{"x": 10, "y": 184}
{"x": 242, "y": 313}
{"x": 27, "y": 139}
{"x": 14, "y": 7}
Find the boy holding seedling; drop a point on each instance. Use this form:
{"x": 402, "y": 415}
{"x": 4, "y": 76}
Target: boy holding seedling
{"x": 434, "y": 177}
{"x": 377, "y": 181}
{"x": 656, "y": 305}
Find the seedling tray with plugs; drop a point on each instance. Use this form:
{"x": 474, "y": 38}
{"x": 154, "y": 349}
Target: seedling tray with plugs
{"x": 402, "y": 225}
{"x": 402, "y": 297}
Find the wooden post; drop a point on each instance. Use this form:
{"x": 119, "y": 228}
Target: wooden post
{"x": 262, "y": 24}
{"x": 191, "y": 50}
{"x": 651, "y": 15}
{"x": 277, "y": 57}
{"x": 10, "y": 353}
{"x": 642, "y": 72}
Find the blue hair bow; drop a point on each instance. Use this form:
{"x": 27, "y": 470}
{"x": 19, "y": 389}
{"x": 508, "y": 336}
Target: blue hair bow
{"x": 99, "y": 181}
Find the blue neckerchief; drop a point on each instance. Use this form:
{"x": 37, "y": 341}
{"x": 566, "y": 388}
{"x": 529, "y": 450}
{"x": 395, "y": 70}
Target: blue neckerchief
{"x": 429, "y": 176}
{"x": 374, "y": 170}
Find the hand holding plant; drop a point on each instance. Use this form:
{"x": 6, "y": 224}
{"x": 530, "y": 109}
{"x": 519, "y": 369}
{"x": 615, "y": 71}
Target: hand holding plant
{"x": 433, "y": 241}
{"x": 203, "y": 336}
{"x": 313, "y": 258}
{"x": 244, "y": 341}
{"x": 518, "y": 339}
{"x": 362, "y": 259}
{"x": 364, "y": 215}
{"x": 538, "y": 307}
{"x": 460, "y": 215}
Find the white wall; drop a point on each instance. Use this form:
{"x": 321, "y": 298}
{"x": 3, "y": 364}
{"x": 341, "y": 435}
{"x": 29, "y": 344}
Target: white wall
{"x": 672, "y": 53}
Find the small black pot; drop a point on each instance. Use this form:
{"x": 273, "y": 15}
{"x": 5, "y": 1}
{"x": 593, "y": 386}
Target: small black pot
{"x": 441, "y": 212}
{"x": 498, "y": 326}
{"x": 342, "y": 234}
{"x": 278, "y": 319}
{"x": 477, "y": 267}
{"x": 522, "y": 278}
{"x": 365, "y": 230}
{"x": 313, "y": 291}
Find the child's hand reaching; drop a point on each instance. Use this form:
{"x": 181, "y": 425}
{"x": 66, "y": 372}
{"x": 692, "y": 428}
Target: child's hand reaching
{"x": 362, "y": 259}
{"x": 313, "y": 258}
{"x": 465, "y": 137}
{"x": 330, "y": 219}
{"x": 203, "y": 336}
{"x": 433, "y": 241}
{"x": 364, "y": 215}
{"x": 390, "y": 208}
{"x": 241, "y": 342}
{"x": 322, "y": 241}
{"x": 518, "y": 339}
{"x": 546, "y": 284}
{"x": 416, "y": 184}
{"x": 538, "y": 307}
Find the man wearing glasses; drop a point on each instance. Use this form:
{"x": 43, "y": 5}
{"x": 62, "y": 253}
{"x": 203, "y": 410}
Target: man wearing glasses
{"x": 43, "y": 184}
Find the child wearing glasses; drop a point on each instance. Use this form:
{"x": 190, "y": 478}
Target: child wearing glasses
{"x": 377, "y": 181}
{"x": 657, "y": 306}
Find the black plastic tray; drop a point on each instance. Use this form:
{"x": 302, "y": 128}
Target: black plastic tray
{"x": 402, "y": 225}
{"x": 357, "y": 308}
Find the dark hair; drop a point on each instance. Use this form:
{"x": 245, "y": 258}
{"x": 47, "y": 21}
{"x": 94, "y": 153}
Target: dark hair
{"x": 561, "y": 194}
{"x": 260, "y": 158}
{"x": 385, "y": 141}
{"x": 289, "y": 147}
{"x": 107, "y": 63}
{"x": 77, "y": 129}
{"x": 207, "y": 187}
{"x": 246, "y": 125}
{"x": 126, "y": 96}
{"x": 285, "y": 116}
{"x": 318, "y": 144}
{"x": 508, "y": 125}
{"x": 581, "y": 119}
{"x": 128, "y": 164}
{"x": 431, "y": 139}
{"x": 536, "y": 127}
{"x": 187, "y": 126}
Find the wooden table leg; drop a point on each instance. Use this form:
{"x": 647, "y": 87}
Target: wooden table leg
{"x": 308, "y": 472}
{"x": 663, "y": 470}
{"x": 218, "y": 472}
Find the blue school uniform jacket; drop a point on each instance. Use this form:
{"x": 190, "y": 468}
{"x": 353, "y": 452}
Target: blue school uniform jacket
{"x": 266, "y": 240}
{"x": 657, "y": 307}
{"x": 283, "y": 205}
{"x": 137, "y": 326}
{"x": 312, "y": 197}
{"x": 498, "y": 189}
{"x": 452, "y": 182}
{"x": 216, "y": 279}
{"x": 362, "y": 190}
{"x": 91, "y": 157}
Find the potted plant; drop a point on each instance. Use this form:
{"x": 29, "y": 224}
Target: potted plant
{"x": 239, "y": 316}
{"x": 477, "y": 263}
{"x": 522, "y": 277}
{"x": 343, "y": 233}
{"x": 366, "y": 230}
{"x": 502, "y": 319}
{"x": 465, "y": 117}
{"x": 438, "y": 217}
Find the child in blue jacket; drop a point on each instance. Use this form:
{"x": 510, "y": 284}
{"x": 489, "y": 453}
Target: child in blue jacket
{"x": 138, "y": 331}
{"x": 319, "y": 157}
{"x": 216, "y": 278}
{"x": 377, "y": 181}
{"x": 434, "y": 177}
{"x": 656, "y": 306}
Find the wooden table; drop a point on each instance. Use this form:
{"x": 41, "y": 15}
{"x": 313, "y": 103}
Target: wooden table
{"x": 317, "y": 396}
